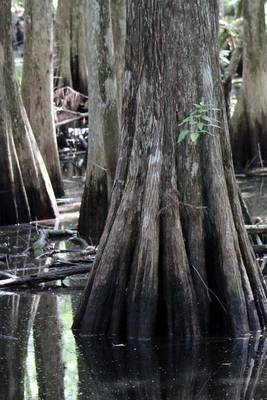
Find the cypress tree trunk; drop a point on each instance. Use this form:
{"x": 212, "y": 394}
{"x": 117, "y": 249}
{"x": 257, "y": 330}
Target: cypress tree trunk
{"x": 37, "y": 84}
{"x": 103, "y": 120}
{"x": 249, "y": 122}
{"x": 174, "y": 257}
{"x": 25, "y": 189}
{"x": 70, "y": 47}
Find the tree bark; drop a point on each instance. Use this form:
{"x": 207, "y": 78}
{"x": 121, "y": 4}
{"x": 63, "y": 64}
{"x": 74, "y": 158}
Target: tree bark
{"x": 174, "y": 258}
{"x": 70, "y": 46}
{"x": 103, "y": 120}
{"x": 37, "y": 84}
{"x": 25, "y": 189}
{"x": 249, "y": 122}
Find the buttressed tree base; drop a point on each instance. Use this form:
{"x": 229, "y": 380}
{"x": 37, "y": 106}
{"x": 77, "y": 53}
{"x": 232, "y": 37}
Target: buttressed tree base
{"x": 174, "y": 258}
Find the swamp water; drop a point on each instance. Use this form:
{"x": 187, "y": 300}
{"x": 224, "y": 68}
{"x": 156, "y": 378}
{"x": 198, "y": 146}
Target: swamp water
{"x": 41, "y": 360}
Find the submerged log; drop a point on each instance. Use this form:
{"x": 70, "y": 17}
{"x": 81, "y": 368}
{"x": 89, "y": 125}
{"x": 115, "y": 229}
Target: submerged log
{"x": 53, "y": 275}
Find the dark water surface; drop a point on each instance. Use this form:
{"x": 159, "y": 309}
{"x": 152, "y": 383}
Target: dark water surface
{"x": 41, "y": 360}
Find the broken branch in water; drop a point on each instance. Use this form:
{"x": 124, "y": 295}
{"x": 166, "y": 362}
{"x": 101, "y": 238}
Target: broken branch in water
{"x": 254, "y": 229}
{"x": 52, "y": 275}
{"x": 260, "y": 248}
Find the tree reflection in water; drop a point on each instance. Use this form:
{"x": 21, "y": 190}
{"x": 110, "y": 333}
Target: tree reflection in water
{"x": 163, "y": 370}
{"x": 204, "y": 370}
{"x": 48, "y": 349}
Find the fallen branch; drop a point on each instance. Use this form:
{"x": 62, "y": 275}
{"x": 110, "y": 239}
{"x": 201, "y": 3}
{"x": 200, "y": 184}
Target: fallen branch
{"x": 67, "y": 121}
{"x": 254, "y": 229}
{"x": 257, "y": 172}
{"x": 260, "y": 248}
{"x": 53, "y": 275}
{"x": 71, "y": 90}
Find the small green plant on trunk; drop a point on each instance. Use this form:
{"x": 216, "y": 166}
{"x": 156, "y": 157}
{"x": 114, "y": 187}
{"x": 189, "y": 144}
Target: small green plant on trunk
{"x": 198, "y": 122}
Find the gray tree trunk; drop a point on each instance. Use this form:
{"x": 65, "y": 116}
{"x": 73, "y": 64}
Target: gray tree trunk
{"x": 37, "y": 84}
{"x": 70, "y": 45}
{"x": 174, "y": 258}
{"x": 249, "y": 122}
{"x": 25, "y": 188}
{"x": 103, "y": 120}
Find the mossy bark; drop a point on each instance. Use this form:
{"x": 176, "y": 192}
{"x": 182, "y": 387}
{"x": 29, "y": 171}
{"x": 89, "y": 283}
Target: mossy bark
{"x": 25, "y": 188}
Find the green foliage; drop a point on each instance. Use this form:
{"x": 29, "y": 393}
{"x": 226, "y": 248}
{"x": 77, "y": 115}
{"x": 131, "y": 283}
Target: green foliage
{"x": 16, "y": 3}
{"x": 197, "y": 123}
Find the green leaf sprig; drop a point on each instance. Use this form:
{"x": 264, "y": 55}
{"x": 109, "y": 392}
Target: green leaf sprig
{"x": 198, "y": 122}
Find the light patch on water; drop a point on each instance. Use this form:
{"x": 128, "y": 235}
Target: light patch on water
{"x": 31, "y": 386}
{"x": 71, "y": 377}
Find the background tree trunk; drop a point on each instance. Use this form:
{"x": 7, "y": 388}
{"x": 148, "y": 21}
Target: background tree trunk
{"x": 103, "y": 120}
{"x": 37, "y": 84}
{"x": 249, "y": 122}
{"x": 174, "y": 258}
{"x": 70, "y": 45}
{"x": 25, "y": 189}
